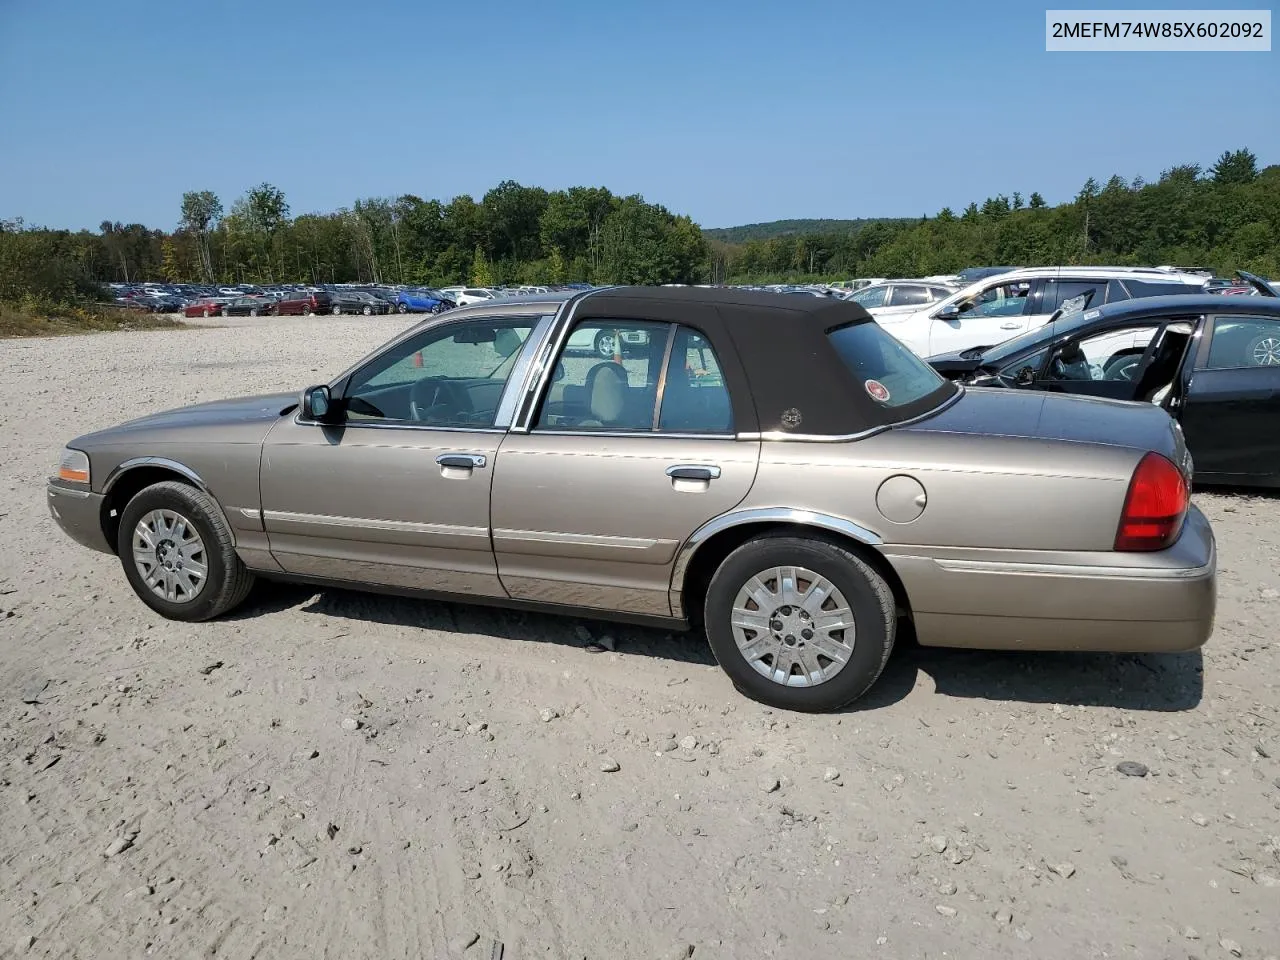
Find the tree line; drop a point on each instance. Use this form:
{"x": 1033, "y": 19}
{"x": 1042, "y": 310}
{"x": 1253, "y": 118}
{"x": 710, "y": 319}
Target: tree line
{"x": 1226, "y": 217}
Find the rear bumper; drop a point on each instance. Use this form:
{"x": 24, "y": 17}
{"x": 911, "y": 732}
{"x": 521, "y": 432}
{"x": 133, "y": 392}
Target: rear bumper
{"x": 1116, "y": 602}
{"x": 79, "y": 514}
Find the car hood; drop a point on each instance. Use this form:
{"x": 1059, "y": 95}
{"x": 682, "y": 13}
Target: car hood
{"x": 1047, "y": 416}
{"x": 241, "y": 419}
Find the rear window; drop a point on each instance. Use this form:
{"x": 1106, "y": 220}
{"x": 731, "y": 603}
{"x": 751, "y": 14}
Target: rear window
{"x": 887, "y": 371}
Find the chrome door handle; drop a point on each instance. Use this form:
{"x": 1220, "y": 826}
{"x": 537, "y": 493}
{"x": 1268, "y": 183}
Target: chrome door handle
{"x": 466, "y": 461}
{"x": 693, "y": 471}
{"x": 1009, "y": 326}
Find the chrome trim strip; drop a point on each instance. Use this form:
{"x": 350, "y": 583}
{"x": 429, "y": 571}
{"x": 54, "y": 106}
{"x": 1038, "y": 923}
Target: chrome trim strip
{"x": 402, "y": 526}
{"x": 395, "y": 425}
{"x": 516, "y": 383}
{"x": 779, "y": 435}
{"x": 122, "y": 468}
{"x": 757, "y": 515}
{"x": 250, "y": 513}
{"x": 1074, "y": 570}
{"x": 644, "y": 432}
{"x": 546, "y": 364}
{"x": 662, "y": 374}
{"x": 578, "y": 539}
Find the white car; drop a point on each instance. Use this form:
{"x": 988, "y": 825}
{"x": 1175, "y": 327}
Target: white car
{"x": 1003, "y": 306}
{"x": 899, "y": 298}
{"x": 469, "y": 295}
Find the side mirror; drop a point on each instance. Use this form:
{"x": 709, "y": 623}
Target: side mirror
{"x": 949, "y": 312}
{"x": 1026, "y": 377}
{"x": 317, "y": 404}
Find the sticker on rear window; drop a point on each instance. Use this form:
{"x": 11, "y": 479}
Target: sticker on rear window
{"x": 1092, "y": 314}
{"x": 877, "y": 390}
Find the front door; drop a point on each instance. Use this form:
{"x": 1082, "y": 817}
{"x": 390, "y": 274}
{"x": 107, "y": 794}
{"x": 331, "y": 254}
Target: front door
{"x": 1232, "y": 402}
{"x": 624, "y": 459}
{"x": 999, "y": 312}
{"x": 398, "y": 492}
{"x": 1105, "y": 364}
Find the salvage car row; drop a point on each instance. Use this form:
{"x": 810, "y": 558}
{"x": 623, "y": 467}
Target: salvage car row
{"x": 775, "y": 470}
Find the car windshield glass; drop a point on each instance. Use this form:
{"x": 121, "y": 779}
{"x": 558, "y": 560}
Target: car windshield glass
{"x": 886, "y": 369}
{"x": 1063, "y": 324}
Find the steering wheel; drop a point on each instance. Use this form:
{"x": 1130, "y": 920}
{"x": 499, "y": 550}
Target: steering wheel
{"x": 428, "y": 396}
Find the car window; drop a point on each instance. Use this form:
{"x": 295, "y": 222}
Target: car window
{"x": 1109, "y": 355}
{"x": 909, "y": 295}
{"x": 1059, "y": 292}
{"x": 694, "y": 396}
{"x": 1115, "y": 293}
{"x": 871, "y": 296}
{"x": 1244, "y": 342}
{"x": 940, "y": 293}
{"x": 1000, "y": 300}
{"x": 887, "y": 370}
{"x": 450, "y": 376}
{"x": 606, "y": 377}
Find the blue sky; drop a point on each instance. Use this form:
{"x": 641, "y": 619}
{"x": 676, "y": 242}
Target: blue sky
{"x": 729, "y": 112}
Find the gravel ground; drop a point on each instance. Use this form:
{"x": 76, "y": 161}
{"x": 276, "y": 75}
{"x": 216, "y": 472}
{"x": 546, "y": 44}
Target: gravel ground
{"x": 325, "y": 774}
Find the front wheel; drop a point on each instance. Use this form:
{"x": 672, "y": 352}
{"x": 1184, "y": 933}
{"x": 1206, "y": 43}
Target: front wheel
{"x": 253, "y": 312}
{"x": 1264, "y": 351}
{"x": 367, "y": 311}
{"x": 402, "y": 308}
{"x": 800, "y": 624}
{"x": 177, "y": 553}
{"x": 337, "y": 310}
{"x": 606, "y": 345}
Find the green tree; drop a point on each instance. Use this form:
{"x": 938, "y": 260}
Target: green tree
{"x": 201, "y": 209}
{"x": 481, "y": 274}
{"x": 1036, "y": 202}
{"x": 1235, "y": 166}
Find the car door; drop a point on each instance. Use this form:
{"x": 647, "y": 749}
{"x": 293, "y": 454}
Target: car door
{"x": 1001, "y": 310}
{"x": 1105, "y": 363}
{"x": 397, "y": 492}
{"x": 904, "y": 299}
{"x": 619, "y": 462}
{"x": 1231, "y": 403}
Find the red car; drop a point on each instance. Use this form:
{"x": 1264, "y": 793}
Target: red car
{"x": 301, "y": 303}
{"x": 203, "y": 308}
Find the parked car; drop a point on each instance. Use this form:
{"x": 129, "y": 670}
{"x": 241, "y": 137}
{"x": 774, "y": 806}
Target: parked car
{"x": 895, "y": 298}
{"x": 356, "y": 301}
{"x": 417, "y": 301}
{"x": 777, "y": 471}
{"x": 1212, "y": 362}
{"x": 248, "y": 307}
{"x": 301, "y": 303}
{"x": 468, "y": 295}
{"x": 205, "y": 307}
{"x": 1003, "y": 306}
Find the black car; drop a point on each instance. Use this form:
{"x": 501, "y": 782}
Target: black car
{"x": 249, "y": 307}
{"x": 357, "y": 301}
{"x": 1212, "y": 362}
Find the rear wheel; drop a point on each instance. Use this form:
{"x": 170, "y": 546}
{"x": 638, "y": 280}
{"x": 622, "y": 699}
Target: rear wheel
{"x": 401, "y": 308}
{"x": 206, "y": 313}
{"x": 177, "y": 553}
{"x": 1264, "y": 351}
{"x": 226, "y": 312}
{"x": 367, "y": 311}
{"x": 606, "y": 344}
{"x": 801, "y": 624}
{"x": 337, "y": 310}
{"x": 253, "y": 311}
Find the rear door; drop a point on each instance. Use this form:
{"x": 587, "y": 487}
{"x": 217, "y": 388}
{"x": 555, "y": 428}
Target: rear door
{"x": 619, "y": 462}
{"x": 1231, "y": 404}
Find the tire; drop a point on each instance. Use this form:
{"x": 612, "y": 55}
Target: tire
{"x": 336, "y": 311}
{"x": 367, "y": 311}
{"x": 253, "y": 311}
{"x": 401, "y": 308}
{"x": 604, "y": 345}
{"x": 226, "y": 312}
{"x": 227, "y": 581}
{"x": 865, "y": 592}
{"x": 206, "y": 314}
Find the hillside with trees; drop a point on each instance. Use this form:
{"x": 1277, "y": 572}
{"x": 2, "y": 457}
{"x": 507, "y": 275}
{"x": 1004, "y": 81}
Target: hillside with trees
{"x": 790, "y": 228}
{"x": 1226, "y": 217}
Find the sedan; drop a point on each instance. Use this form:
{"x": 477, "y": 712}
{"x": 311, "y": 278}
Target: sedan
{"x": 248, "y": 307}
{"x": 776, "y": 472}
{"x": 357, "y": 301}
{"x": 1211, "y": 362}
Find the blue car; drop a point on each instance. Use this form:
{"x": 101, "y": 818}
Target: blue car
{"x": 419, "y": 301}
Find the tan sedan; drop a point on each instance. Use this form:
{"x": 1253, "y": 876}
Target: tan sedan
{"x": 777, "y": 471}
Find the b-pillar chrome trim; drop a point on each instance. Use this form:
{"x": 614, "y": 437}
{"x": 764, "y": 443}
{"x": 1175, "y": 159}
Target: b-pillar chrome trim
{"x": 804, "y": 518}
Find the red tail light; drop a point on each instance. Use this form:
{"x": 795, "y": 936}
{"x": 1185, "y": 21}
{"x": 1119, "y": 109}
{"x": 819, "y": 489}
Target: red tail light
{"x": 1154, "y": 507}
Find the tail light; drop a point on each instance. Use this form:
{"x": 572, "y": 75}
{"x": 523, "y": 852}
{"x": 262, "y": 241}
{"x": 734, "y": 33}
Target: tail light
{"x": 1155, "y": 506}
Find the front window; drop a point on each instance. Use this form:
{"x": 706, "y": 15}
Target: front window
{"x": 450, "y": 376}
{"x": 1001, "y": 300}
{"x": 869, "y": 297}
{"x": 886, "y": 370}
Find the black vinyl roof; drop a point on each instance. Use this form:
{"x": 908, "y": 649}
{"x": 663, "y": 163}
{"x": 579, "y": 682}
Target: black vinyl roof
{"x": 781, "y": 370}
{"x": 1184, "y": 303}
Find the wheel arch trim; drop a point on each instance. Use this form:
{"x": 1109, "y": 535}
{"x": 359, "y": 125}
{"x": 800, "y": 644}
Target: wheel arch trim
{"x": 135, "y": 462}
{"x": 757, "y": 515}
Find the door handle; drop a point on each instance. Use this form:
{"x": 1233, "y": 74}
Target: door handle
{"x": 1010, "y": 326}
{"x": 693, "y": 471}
{"x": 465, "y": 461}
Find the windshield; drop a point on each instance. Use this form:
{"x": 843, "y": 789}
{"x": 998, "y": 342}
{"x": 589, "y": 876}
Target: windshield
{"x": 888, "y": 371}
{"x": 1064, "y": 323}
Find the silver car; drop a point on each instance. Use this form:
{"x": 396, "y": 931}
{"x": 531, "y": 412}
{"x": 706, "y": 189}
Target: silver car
{"x": 776, "y": 471}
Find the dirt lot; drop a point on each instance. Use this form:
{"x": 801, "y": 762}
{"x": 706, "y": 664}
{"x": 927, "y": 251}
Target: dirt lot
{"x": 192, "y": 791}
